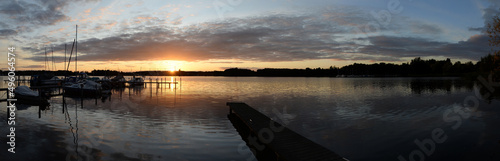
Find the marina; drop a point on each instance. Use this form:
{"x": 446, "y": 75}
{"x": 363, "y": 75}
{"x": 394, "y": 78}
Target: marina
{"x": 57, "y": 90}
{"x": 227, "y": 80}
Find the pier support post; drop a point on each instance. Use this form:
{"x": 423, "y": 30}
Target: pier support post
{"x": 8, "y": 109}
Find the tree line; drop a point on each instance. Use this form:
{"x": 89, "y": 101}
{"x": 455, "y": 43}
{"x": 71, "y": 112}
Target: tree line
{"x": 417, "y": 67}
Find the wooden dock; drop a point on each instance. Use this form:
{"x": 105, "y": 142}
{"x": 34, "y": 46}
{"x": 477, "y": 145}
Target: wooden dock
{"x": 285, "y": 143}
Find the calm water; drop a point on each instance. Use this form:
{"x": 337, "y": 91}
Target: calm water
{"x": 358, "y": 118}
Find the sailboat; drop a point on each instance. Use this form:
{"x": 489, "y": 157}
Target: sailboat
{"x": 80, "y": 86}
{"x": 45, "y": 79}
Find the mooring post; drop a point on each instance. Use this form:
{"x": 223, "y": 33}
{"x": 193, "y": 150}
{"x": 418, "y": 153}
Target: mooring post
{"x": 81, "y": 90}
{"x": 8, "y": 109}
{"x": 97, "y": 94}
{"x": 64, "y": 103}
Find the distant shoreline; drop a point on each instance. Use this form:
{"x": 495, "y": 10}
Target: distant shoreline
{"x": 228, "y": 74}
{"x": 416, "y": 68}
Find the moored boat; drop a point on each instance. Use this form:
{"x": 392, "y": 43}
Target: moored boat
{"x": 118, "y": 81}
{"x": 136, "y": 81}
{"x": 25, "y": 95}
{"x": 44, "y": 80}
{"x": 84, "y": 88}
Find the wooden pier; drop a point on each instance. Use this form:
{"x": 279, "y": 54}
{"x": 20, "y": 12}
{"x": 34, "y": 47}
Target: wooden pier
{"x": 161, "y": 81}
{"x": 19, "y": 80}
{"x": 286, "y": 144}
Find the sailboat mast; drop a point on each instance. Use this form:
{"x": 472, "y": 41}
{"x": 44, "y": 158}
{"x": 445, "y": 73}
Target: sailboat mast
{"x": 76, "y": 49}
{"x": 64, "y": 55}
{"x": 53, "y": 63}
{"x": 71, "y": 54}
{"x": 45, "y": 62}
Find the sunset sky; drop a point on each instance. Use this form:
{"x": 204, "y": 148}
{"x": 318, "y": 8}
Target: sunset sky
{"x": 132, "y": 35}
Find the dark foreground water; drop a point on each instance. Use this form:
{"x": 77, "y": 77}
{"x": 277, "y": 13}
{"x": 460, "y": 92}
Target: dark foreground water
{"x": 358, "y": 118}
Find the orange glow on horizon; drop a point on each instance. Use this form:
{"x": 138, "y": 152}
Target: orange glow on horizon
{"x": 173, "y": 66}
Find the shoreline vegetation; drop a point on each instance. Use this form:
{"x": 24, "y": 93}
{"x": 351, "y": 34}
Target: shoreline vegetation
{"x": 416, "y": 68}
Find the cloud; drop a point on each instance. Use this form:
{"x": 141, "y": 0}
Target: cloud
{"x": 488, "y": 14}
{"x": 87, "y": 11}
{"x": 106, "y": 26}
{"x": 57, "y": 30}
{"x": 272, "y": 38}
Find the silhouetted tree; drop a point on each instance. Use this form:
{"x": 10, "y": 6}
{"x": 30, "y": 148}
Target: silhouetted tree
{"x": 238, "y": 72}
{"x": 493, "y": 60}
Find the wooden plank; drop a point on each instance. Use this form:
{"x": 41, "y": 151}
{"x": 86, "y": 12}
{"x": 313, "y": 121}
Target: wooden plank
{"x": 287, "y": 144}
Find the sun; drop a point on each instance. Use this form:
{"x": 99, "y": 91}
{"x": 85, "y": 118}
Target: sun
{"x": 171, "y": 66}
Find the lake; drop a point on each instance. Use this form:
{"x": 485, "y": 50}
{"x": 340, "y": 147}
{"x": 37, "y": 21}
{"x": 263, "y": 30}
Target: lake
{"x": 360, "y": 119}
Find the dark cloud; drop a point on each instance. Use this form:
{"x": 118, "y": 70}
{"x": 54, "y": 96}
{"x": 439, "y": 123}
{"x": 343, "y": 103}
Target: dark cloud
{"x": 46, "y": 13}
{"x": 226, "y": 62}
{"x": 7, "y": 32}
{"x": 4, "y": 25}
{"x": 12, "y": 7}
{"x": 33, "y": 66}
{"x": 424, "y": 28}
{"x": 400, "y": 47}
{"x": 38, "y": 12}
